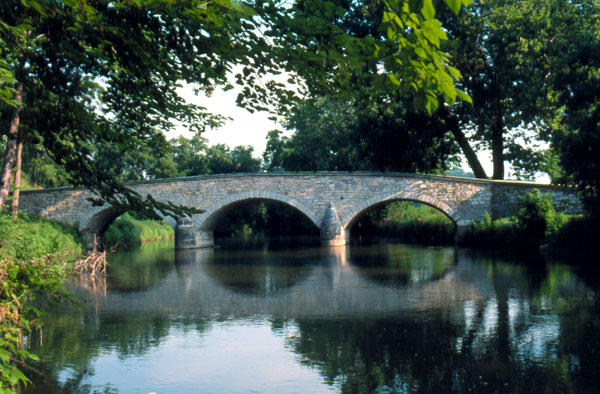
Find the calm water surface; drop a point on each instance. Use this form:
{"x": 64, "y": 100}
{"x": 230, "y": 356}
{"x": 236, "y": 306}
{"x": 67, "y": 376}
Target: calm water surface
{"x": 378, "y": 319}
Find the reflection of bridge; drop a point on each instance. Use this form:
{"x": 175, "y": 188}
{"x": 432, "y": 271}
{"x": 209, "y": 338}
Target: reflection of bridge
{"x": 331, "y": 200}
{"x": 332, "y": 288}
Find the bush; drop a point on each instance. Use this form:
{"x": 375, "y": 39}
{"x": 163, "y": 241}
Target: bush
{"x": 26, "y": 278}
{"x": 577, "y": 234}
{"x": 492, "y": 234}
{"x": 538, "y": 221}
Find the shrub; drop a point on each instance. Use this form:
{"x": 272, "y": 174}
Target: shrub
{"x": 536, "y": 223}
{"x": 492, "y": 234}
{"x": 577, "y": 234}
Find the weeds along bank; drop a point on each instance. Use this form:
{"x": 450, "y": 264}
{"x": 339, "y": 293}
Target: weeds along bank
{"x": 31, "y": 238}
{"x": 28, "y": 280}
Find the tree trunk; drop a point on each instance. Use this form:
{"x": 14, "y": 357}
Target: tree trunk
{"x": 462, "y": 141}
{"x": 11, "y": 149}
{"x": 498, "y": 148}
{"x": 15, "y": 202}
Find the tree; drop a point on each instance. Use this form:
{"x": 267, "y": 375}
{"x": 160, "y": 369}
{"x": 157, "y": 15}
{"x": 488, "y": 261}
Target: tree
{"x": 502, "y": 48}
{"x": 221, "y": 160}
{"x": 330, "y": 44}
{"x": 371, "y": 50}
{"x": 188, "y": 155}
{"x": 576, "y": 83}
{"x": 374, "y": 133}
{"x": 83, "y": 79}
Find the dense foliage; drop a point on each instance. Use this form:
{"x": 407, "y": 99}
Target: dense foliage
{"x": 79, "y": 80}
{"x": 270, "y": 218}
{"x": 371, "y": 134}
{"x": 407, "y": 222}
{"x": 576, "y": 82}
{"x": 23, "y": 285}
{"x": 79, "y": 75}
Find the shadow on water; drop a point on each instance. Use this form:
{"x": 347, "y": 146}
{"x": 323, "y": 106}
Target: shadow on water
{"x": 254, "y": 271}
{"x": 263, "y": 242}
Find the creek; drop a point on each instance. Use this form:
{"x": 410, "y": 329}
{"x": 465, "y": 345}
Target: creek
{"x": 384, "y": 318}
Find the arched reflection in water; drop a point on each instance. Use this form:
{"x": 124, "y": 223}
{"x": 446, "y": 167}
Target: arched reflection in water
{"x": 396, "y": 265}
{"x": 258, "y": 271}
{"x": 477, "y": 324}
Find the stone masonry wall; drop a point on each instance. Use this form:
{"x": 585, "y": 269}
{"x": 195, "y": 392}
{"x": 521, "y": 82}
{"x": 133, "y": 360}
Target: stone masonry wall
{"x": 350, "y": 193}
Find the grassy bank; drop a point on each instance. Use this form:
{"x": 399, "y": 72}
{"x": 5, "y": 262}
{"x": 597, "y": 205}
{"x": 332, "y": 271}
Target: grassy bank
{"x": 417, "y": 223}
{"x": 407, "y": 222}
{"x": 131, "y": 229}
{"x": 28, "y": 280}
{"x": 31, "y": 238}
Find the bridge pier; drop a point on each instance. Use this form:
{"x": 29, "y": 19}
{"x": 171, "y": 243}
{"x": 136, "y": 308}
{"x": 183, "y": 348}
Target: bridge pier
{"x": 188, "y": 237}
{"x": 332, "y": 232}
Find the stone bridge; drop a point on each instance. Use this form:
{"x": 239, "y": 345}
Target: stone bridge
{"x": 333, "y": 201}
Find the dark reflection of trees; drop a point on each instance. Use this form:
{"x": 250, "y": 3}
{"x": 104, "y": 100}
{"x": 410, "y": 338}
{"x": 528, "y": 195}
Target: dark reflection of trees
{"x": 259, "y": 272}
{"x": 140, "y": 268}
{"x": 531, "y": 333}
{"x": 398, "y": 264}
{"x": 415, "y": 356}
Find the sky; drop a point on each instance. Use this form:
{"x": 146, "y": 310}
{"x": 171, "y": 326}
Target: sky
{"x": 245, "y": 128}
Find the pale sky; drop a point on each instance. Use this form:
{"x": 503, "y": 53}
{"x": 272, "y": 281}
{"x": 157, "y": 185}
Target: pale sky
{"x": 244, "y": 129}
{"x": 251, "y": 128}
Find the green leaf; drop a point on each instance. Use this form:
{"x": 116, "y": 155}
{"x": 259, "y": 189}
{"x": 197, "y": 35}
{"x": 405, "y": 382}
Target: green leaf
{"x": 428, "y": 11}
{"x": 454, "y": 5}
{"x": 419, "y": 100}
{"x": 454, "y": 72}
{"x": 393, "y": 79}
{"x": 463, "y": 96}
{"x": 431, "y": 104}
{"x": 4, "y": 355}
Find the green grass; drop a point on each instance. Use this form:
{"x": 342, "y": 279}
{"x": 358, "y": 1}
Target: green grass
{"x": 30, "y": 238}
{"x": 129, "y": 229}
{"x": 416, "y": 223}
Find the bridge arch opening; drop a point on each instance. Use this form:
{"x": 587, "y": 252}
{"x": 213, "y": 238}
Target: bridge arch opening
{"x": 405, "y": 220}
{"x": 111, "y": 226}
{"x": 253, "y": 221}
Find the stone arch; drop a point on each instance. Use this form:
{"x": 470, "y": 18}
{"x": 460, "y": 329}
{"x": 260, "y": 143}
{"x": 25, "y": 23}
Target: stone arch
{"x": 101, "y": 220}
{"x": 98, "y": 223}
{"x": 362, "y": 207}
{"x": 206, "y": 221}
